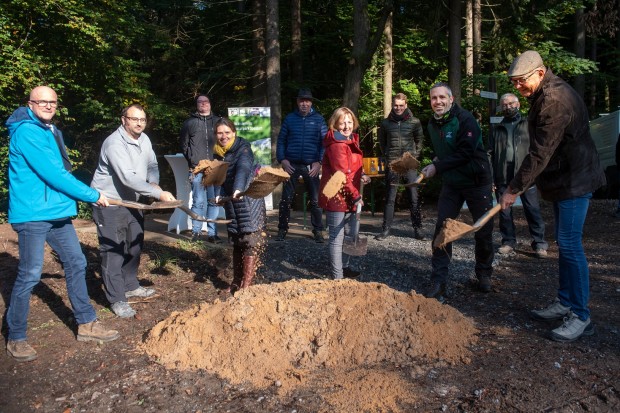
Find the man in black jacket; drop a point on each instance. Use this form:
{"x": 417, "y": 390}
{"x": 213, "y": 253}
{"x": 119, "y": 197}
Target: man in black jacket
{"x": 400, "y": 132}
{"x": 508, "y": 146}
{"x": 197, "y": 140}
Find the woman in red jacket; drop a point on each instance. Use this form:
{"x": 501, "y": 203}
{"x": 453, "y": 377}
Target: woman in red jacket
{"x": 342, "y": 153}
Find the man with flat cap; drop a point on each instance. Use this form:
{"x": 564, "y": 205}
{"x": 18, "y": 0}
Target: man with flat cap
{"x": 300, "y": 151}
{"x": 564, "y": 165}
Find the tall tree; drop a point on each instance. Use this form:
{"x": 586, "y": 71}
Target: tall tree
{"x": 454, "y": 48}
{"x": 388, "y": 66}
{"x": 273, "y": 73}
{"x": 259, "y": 78}
{"x": 296, "y": 55}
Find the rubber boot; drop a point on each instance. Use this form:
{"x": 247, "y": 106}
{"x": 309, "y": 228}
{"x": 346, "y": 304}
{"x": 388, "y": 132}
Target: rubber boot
{"x": 249, "y": 270}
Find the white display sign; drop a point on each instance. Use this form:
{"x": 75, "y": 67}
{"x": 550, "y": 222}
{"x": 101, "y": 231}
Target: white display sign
{"x": 488, "y": 95}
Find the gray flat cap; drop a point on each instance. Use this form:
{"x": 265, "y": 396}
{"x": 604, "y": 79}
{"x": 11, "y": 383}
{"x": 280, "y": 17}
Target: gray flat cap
{"x": 525, "y": 63}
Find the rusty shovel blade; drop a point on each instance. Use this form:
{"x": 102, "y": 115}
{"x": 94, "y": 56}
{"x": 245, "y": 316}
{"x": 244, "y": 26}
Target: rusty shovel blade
{"x": 356, "y": 247}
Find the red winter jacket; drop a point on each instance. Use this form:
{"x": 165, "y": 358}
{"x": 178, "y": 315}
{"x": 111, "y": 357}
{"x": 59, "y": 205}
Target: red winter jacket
{"x": 341, "y": 154}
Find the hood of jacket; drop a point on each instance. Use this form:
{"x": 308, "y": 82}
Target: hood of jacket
{"x": 20, "y": 116}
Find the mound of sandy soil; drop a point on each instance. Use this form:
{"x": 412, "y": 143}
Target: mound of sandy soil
{"x": 281, "y": 334}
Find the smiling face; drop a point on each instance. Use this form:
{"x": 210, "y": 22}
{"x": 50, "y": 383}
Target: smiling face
{"x": 345, "y": 125}
{"x": 203, "y": 105}
{"x": 527, "y": 85}
{"x": 43, "y": 93}
{"x": 399, "y": 106}
{"x": 224, "y": 134}
{"x": 441, "y": 100}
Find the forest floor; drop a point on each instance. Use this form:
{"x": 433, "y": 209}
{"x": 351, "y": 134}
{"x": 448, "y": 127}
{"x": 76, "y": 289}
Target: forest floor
{"x": 300, "y": 342}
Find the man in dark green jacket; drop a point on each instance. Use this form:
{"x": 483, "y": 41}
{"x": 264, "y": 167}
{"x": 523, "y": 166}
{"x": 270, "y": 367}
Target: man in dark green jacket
{"x": 400, "y": 132}
{"x": 462, "y": 162}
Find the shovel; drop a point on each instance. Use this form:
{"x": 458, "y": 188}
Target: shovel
{"x": 355, "y": 245}
{"x": 264, "y": 184}
{"x": 165, "y": 205}
{"x": 417, "y": 182}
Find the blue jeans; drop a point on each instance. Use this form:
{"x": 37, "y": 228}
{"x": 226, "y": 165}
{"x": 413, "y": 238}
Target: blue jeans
{"x": 201, "y": 206}
{"x": 574, "y": 290}
{"x": 61, "y": 236}
{"x": 390, "y": 198}
{"x": 535, "y": 222}
{"x": 339, "y": 224}
{"x": 288, "y": 192}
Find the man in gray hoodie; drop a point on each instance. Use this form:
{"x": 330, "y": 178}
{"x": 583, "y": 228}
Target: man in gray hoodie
{"x": 127, "y": 168}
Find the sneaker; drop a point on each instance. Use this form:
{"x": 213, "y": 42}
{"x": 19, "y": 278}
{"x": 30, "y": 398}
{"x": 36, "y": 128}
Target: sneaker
{"x": 319, "y": 238}
{"x": 214, "y": 239}
{"x": 484, "y": 284}
{"x": 96, "y": 331}
{"x": 506, "y": 249}
{"x": 438, "y": 292}
{"x": 20, "y": 350}
{"x": 418, "y": 235}
{"x": 554, "y": 311}
{"x": 383, "y": 234}
{"x": 349, "y": 273}
{"x": 196, "y": 237}
{"x": 541, "y": 253}
{"x": 123, "y": 309}
{"x": 281, "y": 235}
{"x": 572, "y": 328}
{"x": 141, "y": 292}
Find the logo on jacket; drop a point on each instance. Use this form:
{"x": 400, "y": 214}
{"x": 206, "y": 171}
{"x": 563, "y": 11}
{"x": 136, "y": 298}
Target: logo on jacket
{"x": 449, "y": 135}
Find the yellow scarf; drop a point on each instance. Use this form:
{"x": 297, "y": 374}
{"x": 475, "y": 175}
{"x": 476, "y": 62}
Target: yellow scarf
{"x": 221, "y": 150}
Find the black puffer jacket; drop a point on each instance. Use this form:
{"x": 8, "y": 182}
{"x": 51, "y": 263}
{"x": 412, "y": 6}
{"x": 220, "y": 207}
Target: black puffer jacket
{"x": 198, "y": 138}
{"x": 563, "y": 161}
{"x": 248, "y": 214}
{"x": 397, "y": 136}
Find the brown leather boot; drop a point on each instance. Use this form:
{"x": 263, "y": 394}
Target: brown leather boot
{"x": 249, "y": 270}
{"x": 237, "y": 259}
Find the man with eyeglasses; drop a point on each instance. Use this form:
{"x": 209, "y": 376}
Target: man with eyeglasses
{"x": 42, "y": 195}
{"x": 564, "y": 165}
{"x": 197, "y": 141}
{"x": 127, "y": 168}
{"x": 509, "y": 144}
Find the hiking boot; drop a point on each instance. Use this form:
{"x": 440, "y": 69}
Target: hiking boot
{"x": 383, "y": 234}
{"x": 318, "y": 237}
{"x": 196, "y": 236}
{"x": 349, "y": 273}
{"x": 541, "y": 253}
{"x": 572, "y": 328}
{"x": 20, "y": 350}
{"x": 95, "y": 331}
{"x": 141, "y": 292}
{"x": 506, "y": 249}
{"x": 437, "y": 291}
{"x": 554, "y": 311}
{"x": 418, "y": 235}
{"x": 281, "y": 235}
{"x": 484, "y": 284}
{"x": 214, "y": 239}
{"x": 123, "y": 309}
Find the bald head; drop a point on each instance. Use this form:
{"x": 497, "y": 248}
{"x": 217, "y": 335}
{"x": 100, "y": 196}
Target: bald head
{"x": 43, "y": 102}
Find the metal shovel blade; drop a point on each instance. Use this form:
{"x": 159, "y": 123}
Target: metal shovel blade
{"x": 355, "y": 247}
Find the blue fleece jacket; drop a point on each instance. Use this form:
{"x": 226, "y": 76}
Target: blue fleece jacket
{"x": 40, "y": 188}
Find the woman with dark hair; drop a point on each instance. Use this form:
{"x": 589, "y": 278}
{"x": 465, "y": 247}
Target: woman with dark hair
{"x": 342, "y": 153}
{"x": 247, "y": 215}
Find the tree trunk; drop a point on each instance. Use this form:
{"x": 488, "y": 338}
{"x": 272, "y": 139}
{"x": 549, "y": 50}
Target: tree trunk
{"x": 469, "y": 40}
{"x": 364, "y": 48}
{"x": 259, "y": 79}
{"x": 454, "y": 49}
{"x": 580, "y": 50}
{"x": 273, "y": 73}
{"x": 477, "y": 34}
{"x": 388, "y": 66}
{"x": 296, "y": 55}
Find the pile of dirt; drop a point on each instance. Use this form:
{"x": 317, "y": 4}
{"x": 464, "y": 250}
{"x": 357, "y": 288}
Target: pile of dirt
{"x": 451, "y": 231}
{"x": 282, "y": 334}
{"x": 214, "y": 171}
{"x": 404, "y": 164}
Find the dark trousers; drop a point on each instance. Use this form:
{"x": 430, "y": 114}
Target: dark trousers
{"x": 414, "y": 204}
{"x": 121, "y": 238}
{"x": 479, "y": 200}
{"x": 288, "y": 192}
{"x": 535, "y": 222}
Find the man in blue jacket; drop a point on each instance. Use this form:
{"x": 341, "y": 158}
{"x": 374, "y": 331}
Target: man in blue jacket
{"x": 300, "y": 151}
{"x": 42, "y": 195}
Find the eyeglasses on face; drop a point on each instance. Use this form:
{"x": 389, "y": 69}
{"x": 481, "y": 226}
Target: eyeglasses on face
{"x": 522, "y": 80}
{"x": 135, "y": 120}
{"x": 509, "y": 104}
{"x": 44, "y": 103}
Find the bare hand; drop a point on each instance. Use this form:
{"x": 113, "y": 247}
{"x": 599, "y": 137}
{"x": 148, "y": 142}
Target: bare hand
{"x": 237, "y": 195}
{"x": 508, "y": 199}
{"x": 365, "y": 179}
{"x": 102, "y": 201}
{"x": 286, "y": 165}
{"x": 166, "y": 196}
{"x": 316, "y": 168}
{"x": 429, "y": 171}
